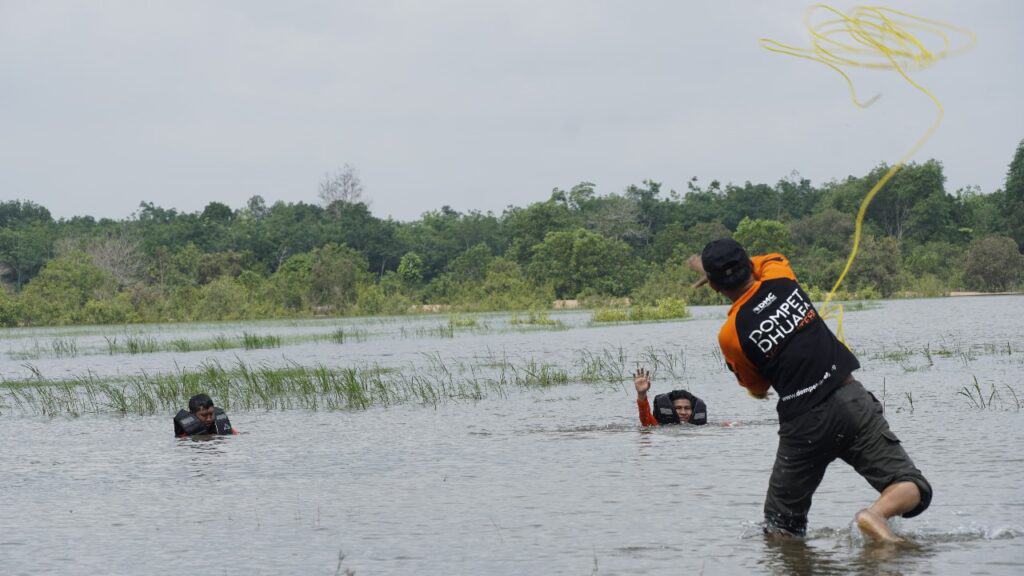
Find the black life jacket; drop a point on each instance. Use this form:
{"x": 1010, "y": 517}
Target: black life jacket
{"x": 664, "y": 413}
{"x": 186, "y": 423}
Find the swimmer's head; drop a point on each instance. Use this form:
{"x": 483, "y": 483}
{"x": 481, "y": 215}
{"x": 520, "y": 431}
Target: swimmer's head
{"x": 201, "y": 406}
{"x": 682, "y": 403}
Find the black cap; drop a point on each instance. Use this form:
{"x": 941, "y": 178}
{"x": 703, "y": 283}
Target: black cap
{"x": 725, "y": 262}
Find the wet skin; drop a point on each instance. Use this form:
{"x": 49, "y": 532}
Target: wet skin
{"x": 205, "y": 415}
{"x": 683, "y": 409}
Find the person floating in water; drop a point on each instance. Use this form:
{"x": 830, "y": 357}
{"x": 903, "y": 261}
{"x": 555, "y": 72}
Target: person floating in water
{"x": 774, "y": 338}
{"x": 675, "y": 407}
{"x": 201, "y": 418}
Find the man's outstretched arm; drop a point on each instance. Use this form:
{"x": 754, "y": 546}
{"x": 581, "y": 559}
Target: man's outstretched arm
{"x": 642, "y": 382}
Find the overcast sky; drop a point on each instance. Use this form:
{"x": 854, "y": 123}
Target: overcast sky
{"x": 468, "y": 103}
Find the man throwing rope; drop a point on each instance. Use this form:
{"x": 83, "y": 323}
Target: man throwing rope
{"x": 775, "y": 338}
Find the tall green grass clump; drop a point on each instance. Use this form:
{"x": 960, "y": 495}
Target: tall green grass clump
{"x": 534, "y": 318}
{"x": 341, "y": 335}
{"x": 664, "y": 309}
{"x": 182, "y": 345}
{"x": 254, "y": 341}
{"x": 64, "y": 347}
{"x": 983, "y": 401}
{"x": 608, "y": 365}
{"x": 458, "y": 321}
{"x": 222, "y": 342}
{"x": 140, "y": 344}
{"x": 610, "y": 315}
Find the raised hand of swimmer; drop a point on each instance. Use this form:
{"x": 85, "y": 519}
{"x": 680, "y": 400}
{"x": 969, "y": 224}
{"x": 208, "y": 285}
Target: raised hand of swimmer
{"x": 642, "y": 381}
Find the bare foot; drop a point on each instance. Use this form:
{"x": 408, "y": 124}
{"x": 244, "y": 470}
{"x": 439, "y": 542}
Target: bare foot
{"x": 874, "y": 525}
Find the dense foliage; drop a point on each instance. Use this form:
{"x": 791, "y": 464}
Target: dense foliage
{"x": 295, "y": 259}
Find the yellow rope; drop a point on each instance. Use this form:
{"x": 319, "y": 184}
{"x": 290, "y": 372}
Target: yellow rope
{"x": 878, "y": 38}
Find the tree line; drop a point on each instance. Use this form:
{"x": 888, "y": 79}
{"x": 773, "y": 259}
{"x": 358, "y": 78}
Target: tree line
{"x": 337, "y": 257}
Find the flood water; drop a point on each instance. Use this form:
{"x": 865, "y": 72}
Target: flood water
{"x": 556, "y": 480}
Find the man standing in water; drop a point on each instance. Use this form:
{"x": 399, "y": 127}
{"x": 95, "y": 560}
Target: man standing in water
{"x": 774, "y": 337}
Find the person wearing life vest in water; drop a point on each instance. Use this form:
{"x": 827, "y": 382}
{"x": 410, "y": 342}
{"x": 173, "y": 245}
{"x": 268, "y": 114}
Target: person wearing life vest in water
{"x": 675, "y": 407}
{"x": 201, "y": 418}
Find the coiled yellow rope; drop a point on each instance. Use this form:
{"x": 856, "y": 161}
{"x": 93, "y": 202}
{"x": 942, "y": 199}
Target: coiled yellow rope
{"x": 879, "y": 38}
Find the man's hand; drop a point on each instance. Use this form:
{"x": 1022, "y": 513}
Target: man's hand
{"x": 642, "y": 381}
{"x": 698, "y": 266}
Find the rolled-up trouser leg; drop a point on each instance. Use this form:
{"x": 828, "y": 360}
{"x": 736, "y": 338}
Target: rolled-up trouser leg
{"x": 876, "y": 453}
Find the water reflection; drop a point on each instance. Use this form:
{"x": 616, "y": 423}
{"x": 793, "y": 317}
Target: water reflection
{"x": 785, "y": 555}
{"x": 202, "y": 453}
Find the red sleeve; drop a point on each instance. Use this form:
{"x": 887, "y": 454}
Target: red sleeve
{"x": 646, "y": 418}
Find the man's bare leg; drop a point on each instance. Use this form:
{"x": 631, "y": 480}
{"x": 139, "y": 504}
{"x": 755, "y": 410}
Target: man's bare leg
{"x": 896, "y": 499}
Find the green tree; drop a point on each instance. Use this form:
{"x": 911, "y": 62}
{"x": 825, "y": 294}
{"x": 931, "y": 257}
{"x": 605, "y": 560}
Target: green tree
{"x": 353, "y": 225}
{"x": 224, "y": 298}
{"x": 763, "y": 236}
{"x": 796, "y": 197}
{"x": 505, "y": 287}
{"x": 940, "y": 259}
{"x": 528, "y": 227}
{"x": 471, "y": 265}
{"x": 213, "y": 265}
{"x": 1014, "y": 196}
{"x": 24, "y": 248}
{"x": 993, "y": 263}
{"x": 701, "y": 205}
{"x": 877, "y": 266}
{"x": 16, "y": 212}
{"x": 679, "y": 243}
{"x": 578, "y": 260}
{"x": 59, "y": 294}
{"x": 217, "y": 212}
{"x": 335, "y": 277}
{"x": 755, "y": 201}
{"x": 410, "y": 269}
{"x": 829, "y": 229}
{"x": 932, "y": 219}
{"x": 981, "y": 214}
{"x": 10, "y": 308}
{"x": 289, "y": 285}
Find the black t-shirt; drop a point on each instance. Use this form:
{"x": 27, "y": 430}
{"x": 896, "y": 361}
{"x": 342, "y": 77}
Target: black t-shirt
{"x": 774, "y": 336}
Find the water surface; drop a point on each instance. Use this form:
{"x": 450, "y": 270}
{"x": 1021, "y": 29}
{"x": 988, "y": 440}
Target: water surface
{"x": 558, "y": 480}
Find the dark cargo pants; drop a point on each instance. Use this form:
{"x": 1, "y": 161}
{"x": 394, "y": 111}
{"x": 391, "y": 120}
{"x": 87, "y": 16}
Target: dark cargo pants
{"x": 849, "y": 425}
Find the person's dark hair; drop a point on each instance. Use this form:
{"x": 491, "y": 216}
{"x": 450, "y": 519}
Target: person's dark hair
{"x": 198, "y": 402}
{"x": 726, "y": 263}
{"x": 677, "y": 394}
{"x": 664, "y": 411}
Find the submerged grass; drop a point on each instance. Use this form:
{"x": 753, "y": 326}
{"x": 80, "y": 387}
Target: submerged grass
{"x": 57, "y": 348}
{"x": 979, "y": 399}
{"x": 65, "y": 347}
{"x": 534, "y": 318}
{"x": 254, "y": 341}
{"x": 914, "y": 359}
{"x": 244, "y": 386}
{"x": 458, "y": 321}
